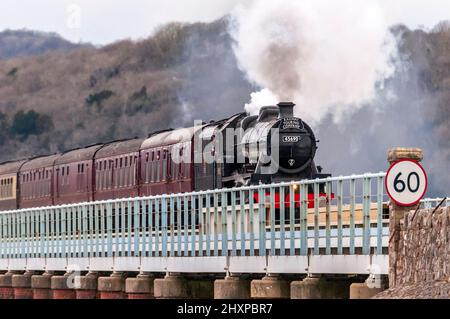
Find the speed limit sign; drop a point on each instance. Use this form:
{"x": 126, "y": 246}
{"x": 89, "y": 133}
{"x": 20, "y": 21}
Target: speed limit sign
{"x": 406, "y": 182}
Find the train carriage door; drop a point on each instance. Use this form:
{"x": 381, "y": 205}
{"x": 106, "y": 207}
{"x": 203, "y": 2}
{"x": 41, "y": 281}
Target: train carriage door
{"x": 169, "y": 165}
{"x": 87, "y": 181}
{"x": 56, "y": 184}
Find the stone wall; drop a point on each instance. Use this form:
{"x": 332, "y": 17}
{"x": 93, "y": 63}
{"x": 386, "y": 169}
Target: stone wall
{"x": 423, "y": 248}
{"x": 421, "y": 265}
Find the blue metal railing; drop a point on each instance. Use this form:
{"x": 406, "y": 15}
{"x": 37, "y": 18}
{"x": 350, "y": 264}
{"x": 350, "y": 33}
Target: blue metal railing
{"x": 339, "y": 215}
{"x": 433, "y": 202}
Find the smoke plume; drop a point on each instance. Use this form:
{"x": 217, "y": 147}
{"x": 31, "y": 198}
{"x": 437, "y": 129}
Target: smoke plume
{"x": 330, "y": 57}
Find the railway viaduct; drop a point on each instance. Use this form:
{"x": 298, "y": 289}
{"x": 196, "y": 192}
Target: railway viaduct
{"x": 213, "y": 244}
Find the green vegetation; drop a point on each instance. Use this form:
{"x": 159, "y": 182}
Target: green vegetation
{"x": 98, "y": 98}
{"x": 12, "y": 72}
{"x": 30, "y": 123}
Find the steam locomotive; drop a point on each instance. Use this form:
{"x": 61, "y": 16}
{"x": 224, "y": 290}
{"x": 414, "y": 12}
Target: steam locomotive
{"x": 272, "y": 146}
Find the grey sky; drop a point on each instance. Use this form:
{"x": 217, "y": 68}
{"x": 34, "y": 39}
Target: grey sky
{"x": 104, "y": 21}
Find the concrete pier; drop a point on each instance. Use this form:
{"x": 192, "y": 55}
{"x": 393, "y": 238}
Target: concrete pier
{"x": 320, "y": 288}
{"x": 86, "y": 286}
{"x": 172, "y": 286}
{"x": 175, "y": 286}
{"x": 201, "y": 288}
{"x": 369, "y": 288}
{"x": 112, "y": 287}
{"x": 6, "y": 289}
{"x": 22, "y": 285}
{"x": 41, "y": 286}
{"x": 140, "y": 287}
{"x": 60, "y": 287}
{"x": 270, "y": 287}
{"x": 232, "y": 287}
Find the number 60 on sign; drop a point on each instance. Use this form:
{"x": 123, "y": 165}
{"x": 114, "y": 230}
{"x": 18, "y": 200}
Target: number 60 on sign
{"x": 406, "y": 182}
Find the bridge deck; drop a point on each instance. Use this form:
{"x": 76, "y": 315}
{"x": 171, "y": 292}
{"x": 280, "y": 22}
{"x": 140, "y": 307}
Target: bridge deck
{"x": 209, "y": 232}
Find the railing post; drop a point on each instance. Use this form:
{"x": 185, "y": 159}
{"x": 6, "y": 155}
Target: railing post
{"x": 339, "y": 216}
{"x": 282, "y": 222}
{"x": 163, "y": 226}
{"x": 316, "y": 218}
{"x": 252, "y": 228}
{"x": 328, "y": 220}
{"x": 109, "y": 218}
{"x": 304, "y": 219}
{"x": 242, "y": 215}
{"x": 233, "y": 223}
{"x": 272, "y": 221}
{"x": 194, "y": 200}
{"x": 262, "y": 221}
{"x": 366, "y": 216}
{"x": 291, "y": 220}
{"x": 172, "y": 226}
{"x": 224, "y": 204}
{"x": 380, "y": 192}
{"x": 136, "y": 229}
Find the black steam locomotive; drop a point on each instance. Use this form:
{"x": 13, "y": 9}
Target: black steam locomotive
{"x": 273, "y": 146}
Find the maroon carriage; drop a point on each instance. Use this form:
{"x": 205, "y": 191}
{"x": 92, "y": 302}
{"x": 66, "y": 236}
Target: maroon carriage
{"x": 116, "y": 170}
{"x": 167, "y": 162}
{"x": 9, "y": 196}
{"x": 73, "y": 177}
{"x": 36, "y": 182}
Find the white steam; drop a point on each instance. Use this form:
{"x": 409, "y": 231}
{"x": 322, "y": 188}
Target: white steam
{"x": 262, "y": 98}
{"x": 329, "y": 57}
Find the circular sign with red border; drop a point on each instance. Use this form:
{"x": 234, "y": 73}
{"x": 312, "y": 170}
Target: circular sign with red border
{"x": 406, "y": 182}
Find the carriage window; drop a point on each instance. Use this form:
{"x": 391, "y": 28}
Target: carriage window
{"x": 120, "y": 162}
{"x": 126, "y": 161}
{"x": 117, "y": 161}
{"x": 158, "y": 156}
{"x": 67, "y": 170}
{"x": 153, "y": 156}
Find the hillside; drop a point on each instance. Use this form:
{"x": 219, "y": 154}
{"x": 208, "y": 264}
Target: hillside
{"x": 122, "y": 90}
{"x": 63, "y": 99}
{"x": 19, "y": 43}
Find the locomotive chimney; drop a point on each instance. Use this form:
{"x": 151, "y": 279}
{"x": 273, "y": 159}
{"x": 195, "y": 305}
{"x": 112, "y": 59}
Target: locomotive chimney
{"x": 286, "y": 109}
